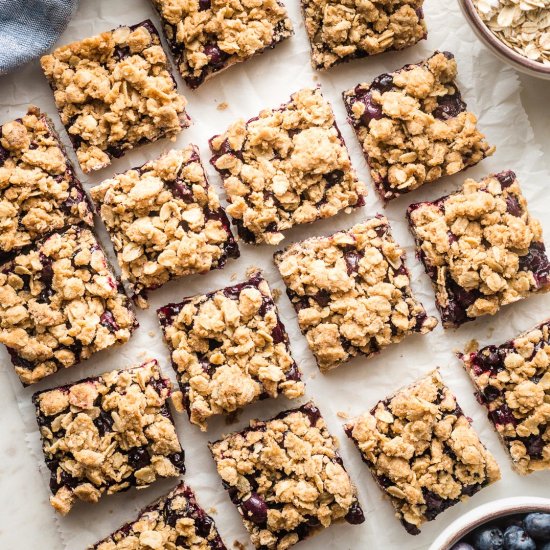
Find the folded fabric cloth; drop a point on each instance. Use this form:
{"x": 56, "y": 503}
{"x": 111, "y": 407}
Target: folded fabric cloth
{"x": 28, "y": 28}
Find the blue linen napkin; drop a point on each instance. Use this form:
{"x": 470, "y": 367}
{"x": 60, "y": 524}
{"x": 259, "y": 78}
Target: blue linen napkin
{"x": 28, "y": 28}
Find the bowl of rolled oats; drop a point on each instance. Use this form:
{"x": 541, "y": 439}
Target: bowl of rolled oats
{"x": 516, "y": 31}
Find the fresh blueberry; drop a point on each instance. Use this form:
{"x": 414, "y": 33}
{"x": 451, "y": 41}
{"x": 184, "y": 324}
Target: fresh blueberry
{"x": 488, "y": 538}
{"x": 537, "y": 526}
{"x": 515, "y": 538}
{"x": 254, "y": 508}
{"x": 462, "y": 546}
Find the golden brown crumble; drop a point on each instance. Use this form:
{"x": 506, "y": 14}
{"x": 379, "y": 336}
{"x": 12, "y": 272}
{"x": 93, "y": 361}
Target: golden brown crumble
{"x": 286, "y": 167}
{"x": 286, "y": 477}
{"x": 341, "y": 30}
{"x": 208, "y": 36}
{"x": 174, "y": 522}
{"x": 480, "y": 247}
{"x": 513, "y": 382}
{"x": 165, "y": 221}
{"x": 414, "y": 127}
{"x": 105, "y": 434}
{"x": 39, "y": 191}
{"x": 60, "y": 302}
{"x": 422, "y": 451}
{"x": 229, "y": 349}
{"x": 352, "y": 292}
{"x": 115, "y": 91}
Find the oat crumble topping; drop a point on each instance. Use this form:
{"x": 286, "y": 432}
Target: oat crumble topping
{"x": 481, "y": 248}
{"x": 174, "y": 522}
{"x": 107, "y": 434}
{"x": 414, "y": 127}
{"x": 39, "y": 191}
{"x": 513, "y": 382}
{"x": 288, "y": 166}
{"x": 422, "y": 451}
{"x": 229, "y": 348}
{"x": 208, "y": 36}
{"x": 165, "y": 221}
{"x": 286, "y": 478}
{"x": 351, "y": 291}
{"x": 342, "y": 30}
{"x": 60, "y": 302}
{"x": 115, "y": 91}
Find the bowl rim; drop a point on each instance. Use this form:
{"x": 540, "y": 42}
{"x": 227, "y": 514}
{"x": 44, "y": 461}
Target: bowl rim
{"x": 485, "y": 513}
{"x": 498, "y": 45}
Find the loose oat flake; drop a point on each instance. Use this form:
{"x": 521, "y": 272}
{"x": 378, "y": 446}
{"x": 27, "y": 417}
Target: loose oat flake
{"x": 523, "y": 25}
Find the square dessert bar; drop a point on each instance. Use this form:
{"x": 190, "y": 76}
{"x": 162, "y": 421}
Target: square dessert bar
{"x": 107, "y": 434}
{"x": 286, "y": 478}
{"x": 39, "y": 191}
{"x": 340, "y": 30}
{"x": 513, "y": 382}
{"x": 115, "y": 91}
{"x": 60, "y": 302}
{"x": 288, "y": 166}
{"x": 422, "y": 451}
{"x": 229, "y": 348}
{"x": 208, "y": 36}
{"x": 480, "y": 247}
{"x": 351, "y": 291}
{"x": 165, "y": 221}
{"x": 175, "y": 522}
{"x": 414, "y": 127}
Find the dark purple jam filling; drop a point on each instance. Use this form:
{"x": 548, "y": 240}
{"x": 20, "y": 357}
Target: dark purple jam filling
{"x": 449, "y": 106}
{"x": 503, "y": 416}
{"x": 513, "y": 206}
{"x": 537, "y": 262}
{"x": 506, "y": 178}
{"x": 459, "y": 300}
{"x": 355, "y": 515}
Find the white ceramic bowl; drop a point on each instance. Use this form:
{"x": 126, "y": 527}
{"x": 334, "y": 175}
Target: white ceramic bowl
{"x": 501, "y": 50}
{"x": 485, "y": 513}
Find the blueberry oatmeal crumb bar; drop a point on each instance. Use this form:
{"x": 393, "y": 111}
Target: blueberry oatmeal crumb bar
{"x": 39, "y": 191}
{"x": 229, "y": 348}
{"x": 286, "y": 478}
{"x": 351, "y": 291}
{"x": 175, "y": 522}
{"x": 115, "y": 91}
{"x": 480, "y": 247}
{"x": 60, "y": 302}
{"x": 513, "y": 382}
{"x": 165, "y": 221}
{"x": 107, "y": 434}
{"x": 342, "y": 30}
{"x": 422, "y": 451}
{"x": 288, "y": 166}
{"x": 414, "y": 127}
{"x": 208, "y": 36}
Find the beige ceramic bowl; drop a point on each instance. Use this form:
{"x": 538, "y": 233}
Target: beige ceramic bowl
{"x": 486, "y": 513}
{"x": 503, "y": 52}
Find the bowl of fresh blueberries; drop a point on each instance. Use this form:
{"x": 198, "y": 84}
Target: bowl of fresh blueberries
{"x": 518, "y": 523}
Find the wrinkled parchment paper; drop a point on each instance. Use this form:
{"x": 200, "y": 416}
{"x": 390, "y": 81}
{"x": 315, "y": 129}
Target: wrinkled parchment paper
{"x": 491, "y": 91}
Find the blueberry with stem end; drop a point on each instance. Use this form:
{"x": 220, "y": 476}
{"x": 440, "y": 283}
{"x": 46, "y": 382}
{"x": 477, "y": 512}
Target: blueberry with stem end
{"x": 488, "y": 538}
{"x": 515, "y": 538}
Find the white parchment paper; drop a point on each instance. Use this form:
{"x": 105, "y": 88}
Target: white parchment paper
{"x": 491, "y": 91}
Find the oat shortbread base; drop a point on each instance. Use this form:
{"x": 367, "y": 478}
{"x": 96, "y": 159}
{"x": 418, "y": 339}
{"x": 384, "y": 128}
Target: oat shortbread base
{"x": 39, "y": 191}
{"x": 165, "y": 221}
{"x": 351, "y": 291}
{"x": 208, "y": 36}
{"x": 115, "y": 91}
{"x": 414, "y": 127}
{"x": 286, "y": 478}
{"x": 513, "y": 382}
{"x": 480, "y": 247}
{"x": 229, "y": 348}
{"x": 286, "y": 167}
{"x": 60, "y": 302}
{"x": 174, "y": 522}
{"x": 342, "y": 30}
{"x": 107, "y": 434}
{"x": 422, "y": 451}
